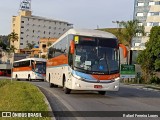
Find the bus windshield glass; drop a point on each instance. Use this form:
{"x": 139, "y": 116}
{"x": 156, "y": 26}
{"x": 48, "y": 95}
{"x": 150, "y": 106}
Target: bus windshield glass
{"x": 97, "y": 55}
{"x": 40, "y": 67}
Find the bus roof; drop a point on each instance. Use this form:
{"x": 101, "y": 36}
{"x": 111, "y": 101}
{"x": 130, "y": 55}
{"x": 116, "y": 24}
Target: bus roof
{"x": 87, "y": 32}
{"x": 91, "y": 32}
{"x": 36, "y": 59}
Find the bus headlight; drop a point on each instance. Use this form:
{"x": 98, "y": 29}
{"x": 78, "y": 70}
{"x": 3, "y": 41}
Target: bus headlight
{"x": 116, "y": 86}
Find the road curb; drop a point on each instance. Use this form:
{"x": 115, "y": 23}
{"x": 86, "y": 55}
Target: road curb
{"x": 143, "y": 86}
{"x": 47, "y": 102}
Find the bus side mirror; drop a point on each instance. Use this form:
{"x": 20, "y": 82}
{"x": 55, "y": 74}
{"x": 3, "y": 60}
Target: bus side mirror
{"x": 72, "y": 47}
{"x": 125, "y": 52}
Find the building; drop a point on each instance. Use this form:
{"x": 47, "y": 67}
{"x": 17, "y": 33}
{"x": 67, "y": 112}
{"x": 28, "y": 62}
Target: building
{"x": 31, "y": 28}
{"x": 44, "y": 44}
{"x": 148, "y": 14}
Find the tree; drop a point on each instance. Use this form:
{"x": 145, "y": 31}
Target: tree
{"x": 13, "y": 37}
{"x": 3, "y": 45}
{"x": 131, "y": 28}
{"x": 149, "y": 59}
{"x": 49, "y": 44}
{"x": 12, "y": 49}
{"x": 30, "y": 45}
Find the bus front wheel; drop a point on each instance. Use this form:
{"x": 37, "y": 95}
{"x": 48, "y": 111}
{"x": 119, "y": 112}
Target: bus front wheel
{"x": 66, "y": 90}
{"x": 29, "y": 78}
{"x": 16, "y": 77}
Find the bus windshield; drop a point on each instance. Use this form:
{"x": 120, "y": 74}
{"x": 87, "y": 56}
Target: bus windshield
{"x": 99, "y": 56}
{"x": 40, "y": 67}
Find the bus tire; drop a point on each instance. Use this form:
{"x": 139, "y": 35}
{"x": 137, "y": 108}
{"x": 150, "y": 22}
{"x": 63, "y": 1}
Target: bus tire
{"x": 50, "y": 84}
{"x": 29, "y": 78}
{"x": 16, "y": 78}
{"x": 66, "y": 90}
{"x": 102, "y": 92}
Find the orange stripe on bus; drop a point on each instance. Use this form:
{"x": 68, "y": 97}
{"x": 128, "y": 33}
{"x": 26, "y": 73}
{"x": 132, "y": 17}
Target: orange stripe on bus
{"x": 106, "y": 77}
{"x": 59, "y": 60}
{"x": 22, "y": 69}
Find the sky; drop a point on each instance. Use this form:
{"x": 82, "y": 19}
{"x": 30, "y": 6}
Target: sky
{"x": 81, "y": 13}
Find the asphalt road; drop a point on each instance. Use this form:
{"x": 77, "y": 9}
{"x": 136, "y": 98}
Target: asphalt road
{"x": 128, "y": 98}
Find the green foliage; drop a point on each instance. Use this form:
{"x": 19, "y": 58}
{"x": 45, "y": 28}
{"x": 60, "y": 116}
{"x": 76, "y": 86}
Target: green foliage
{"x": 116, "y": 31}
{"x": 44, "y": 56}
{"x": 131, "y": 28}
{"x": 30, "y": 45}
{"x": 13, "y": 37}
{"x": 21, "y": 96}
{"x": 149, "y": 59}
{"x": 49, "y": 44}
{"x": 155, "y": 80}
{"x": 153, "y": 48}
{"x": 12, "y": 49}
{"x": 3, "y": 45}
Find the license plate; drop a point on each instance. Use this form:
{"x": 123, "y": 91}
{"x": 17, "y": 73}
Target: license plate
{"x": 97, "y": 86}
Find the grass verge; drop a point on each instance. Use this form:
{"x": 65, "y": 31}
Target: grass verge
{"x": 21, "y": 96}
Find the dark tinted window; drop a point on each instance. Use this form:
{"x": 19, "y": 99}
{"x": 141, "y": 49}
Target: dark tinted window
{"x": 21, "y": 64}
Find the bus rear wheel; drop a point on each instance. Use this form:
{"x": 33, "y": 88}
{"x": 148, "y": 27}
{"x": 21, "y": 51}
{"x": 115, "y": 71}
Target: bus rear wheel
{"x": 102, "y": 92}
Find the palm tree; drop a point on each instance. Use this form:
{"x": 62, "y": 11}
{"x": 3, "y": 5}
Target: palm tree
{"x": 49, "y": 44}
{"x": 12, "y": 49}
{"x": 13, "y": 37}
{"x": 30, "y": 45}
{"x": 131, "y": 28}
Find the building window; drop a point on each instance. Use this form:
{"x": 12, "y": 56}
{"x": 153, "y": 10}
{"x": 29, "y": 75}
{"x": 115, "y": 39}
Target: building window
{"x": 151, "y": 3}
{"x": 49, "y": 33}
{"x": 22, "y": 26}
{"x": 137, "y": 44}
{"x": 140, "y": 24}
{"x": 43, "y": 46}
{"x": 33, "y": 31}
{"x": 148, "y": 34}
{"x": 139, "y": 34}
{"x": 139, "y": 14}
{"x": 28, "y": 19}
{"x": 157, "y": 3}
{"x": 140, "y": 4}
{"x": 13, "y": 19}
{"x": 44, "y": 32}
{"x": 153, "y": 14}
{"x": 21, "y": 43}
{"x": 49, "y": 27}
{"x": 22, "y": 21}
{"x": 22, "y": 32}
{"x": 22, "y": 38}
{"x": 156, "y": 24}
{"x": 150, "y": 24}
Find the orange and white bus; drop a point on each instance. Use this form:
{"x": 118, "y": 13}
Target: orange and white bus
{"x": 29, "y": 69}
{"x": 75, "y": 61}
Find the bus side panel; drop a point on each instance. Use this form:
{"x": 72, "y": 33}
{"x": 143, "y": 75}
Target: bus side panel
{"x": 56, "y": 67}
{"x": 22, "y": 74}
